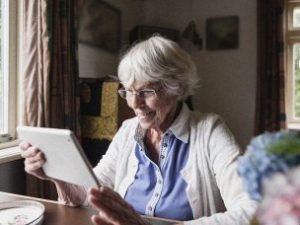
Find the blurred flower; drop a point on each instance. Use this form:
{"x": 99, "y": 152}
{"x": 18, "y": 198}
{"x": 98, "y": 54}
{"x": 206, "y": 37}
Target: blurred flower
{"x": 268, "y": 154}
{"x": 281, "y": 205}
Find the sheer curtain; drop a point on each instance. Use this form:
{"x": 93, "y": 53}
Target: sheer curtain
{"x": 50, "y": 71}
{"x": 36, "y": 69}
{"x": 270, "y": 111}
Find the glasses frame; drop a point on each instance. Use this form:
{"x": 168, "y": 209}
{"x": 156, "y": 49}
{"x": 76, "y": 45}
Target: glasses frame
{"x": 127, "y": 94}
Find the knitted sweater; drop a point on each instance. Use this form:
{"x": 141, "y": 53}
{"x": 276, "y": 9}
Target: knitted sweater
{"x": 214, "y": 189}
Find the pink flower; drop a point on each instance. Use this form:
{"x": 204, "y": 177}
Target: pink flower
{"x": 281, "y": 202}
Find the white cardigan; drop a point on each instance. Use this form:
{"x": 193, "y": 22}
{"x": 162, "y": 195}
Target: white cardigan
{"x": 214, "y": 189}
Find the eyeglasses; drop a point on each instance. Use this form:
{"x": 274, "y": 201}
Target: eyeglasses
{"x": 145, "y": 93}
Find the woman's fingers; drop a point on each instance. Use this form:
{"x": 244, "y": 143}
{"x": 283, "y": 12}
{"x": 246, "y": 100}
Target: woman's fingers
{"x": 36, "y": 169}
{"x": 109, "y": 195}
{"x": 97, "y": 220}
{"x": 108, "y": 199}
{"x": 33, "y": 165}
{"x": 32, "y": 155}
{"x": 24, "y": 145}
{"x": 34, "y": 160}
{"x": 112, "y": 207}
{"x": 29, "y": 152}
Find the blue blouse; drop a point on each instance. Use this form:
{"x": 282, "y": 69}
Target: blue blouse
{"x": 159, "y": 189}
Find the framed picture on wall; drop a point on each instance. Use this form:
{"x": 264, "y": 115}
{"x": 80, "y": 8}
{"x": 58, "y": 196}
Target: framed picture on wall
{"x": 222, "y": 33}
{"x": 100, "y": 25}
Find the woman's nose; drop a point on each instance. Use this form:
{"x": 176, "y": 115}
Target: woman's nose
{"x": 137, "y": 101}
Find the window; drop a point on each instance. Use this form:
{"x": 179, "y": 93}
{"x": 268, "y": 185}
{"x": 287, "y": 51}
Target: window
{"x": 292, "y": 39}
{"x": 8, "y": 67}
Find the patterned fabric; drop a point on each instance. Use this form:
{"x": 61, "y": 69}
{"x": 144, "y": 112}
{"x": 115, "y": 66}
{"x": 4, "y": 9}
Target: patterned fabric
{"x": 104, "y": 125}
{"x": 64, "y": 78}
{"x": 270, "y": 109}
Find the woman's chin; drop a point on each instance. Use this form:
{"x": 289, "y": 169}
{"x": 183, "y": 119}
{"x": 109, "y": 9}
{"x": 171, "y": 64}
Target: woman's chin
{"x": 146, "y": 124}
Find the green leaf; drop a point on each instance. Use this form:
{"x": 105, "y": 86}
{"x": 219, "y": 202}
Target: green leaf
{"x": 287, "y": 145}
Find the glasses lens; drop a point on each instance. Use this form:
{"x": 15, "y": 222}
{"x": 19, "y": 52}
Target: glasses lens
{"x": 147, "y": 93}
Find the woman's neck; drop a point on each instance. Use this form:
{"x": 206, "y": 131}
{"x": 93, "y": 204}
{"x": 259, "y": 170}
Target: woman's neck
{"x": 154, "y": 136}
{"x": 169, "y": 120}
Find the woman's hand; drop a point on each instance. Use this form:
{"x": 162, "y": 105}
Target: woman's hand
{"x": 34, "y": 160}
{"x": 113, "y": 210}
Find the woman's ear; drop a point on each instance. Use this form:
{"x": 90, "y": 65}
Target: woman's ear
{"x": 181, "y": 93}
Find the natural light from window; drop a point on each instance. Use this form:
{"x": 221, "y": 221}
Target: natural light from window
{"x": 2, "y": 78}
{"x": 292, "y": 62}
{"x": 296, "y": 75}
{"x": 8, "y": 67}
{"x": 296, "y": 17}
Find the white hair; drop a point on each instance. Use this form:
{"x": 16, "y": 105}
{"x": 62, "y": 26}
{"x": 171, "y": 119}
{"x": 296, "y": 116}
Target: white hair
{"x": 158, "y": 59}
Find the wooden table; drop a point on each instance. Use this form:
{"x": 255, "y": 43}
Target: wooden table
{"x": 57, "y": 214}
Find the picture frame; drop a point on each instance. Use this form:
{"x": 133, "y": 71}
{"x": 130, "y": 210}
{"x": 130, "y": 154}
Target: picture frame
{"x": 100, "y": 25}
{"x": 222, "y": 33}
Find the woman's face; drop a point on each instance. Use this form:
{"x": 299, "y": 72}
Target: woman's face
{"x": 152, "y": 110}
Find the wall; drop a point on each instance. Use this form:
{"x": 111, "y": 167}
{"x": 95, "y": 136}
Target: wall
{"x": 228, "y": 77}
{"x": 12, "y": 177}
{"x": 95, "y": 62}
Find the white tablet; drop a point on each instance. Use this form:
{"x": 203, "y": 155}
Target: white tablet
{"x": 65, "y": 159}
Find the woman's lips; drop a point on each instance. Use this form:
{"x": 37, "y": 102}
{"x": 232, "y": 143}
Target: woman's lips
{"x": 144, "y": 115}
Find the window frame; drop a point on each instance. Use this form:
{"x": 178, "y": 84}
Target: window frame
{"x": 291, "y": 36}
{"x": 12, "y": 67}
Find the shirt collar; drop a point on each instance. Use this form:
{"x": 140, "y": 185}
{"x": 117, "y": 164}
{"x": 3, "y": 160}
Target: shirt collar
{"x": 180, "y": 126}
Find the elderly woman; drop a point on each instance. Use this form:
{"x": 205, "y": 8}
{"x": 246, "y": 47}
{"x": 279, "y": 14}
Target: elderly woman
{"x": 167, "y": 161}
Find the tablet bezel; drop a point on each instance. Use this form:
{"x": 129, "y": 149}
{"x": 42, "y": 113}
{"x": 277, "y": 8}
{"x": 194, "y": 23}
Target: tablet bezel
{"x": 60, "y": 146}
